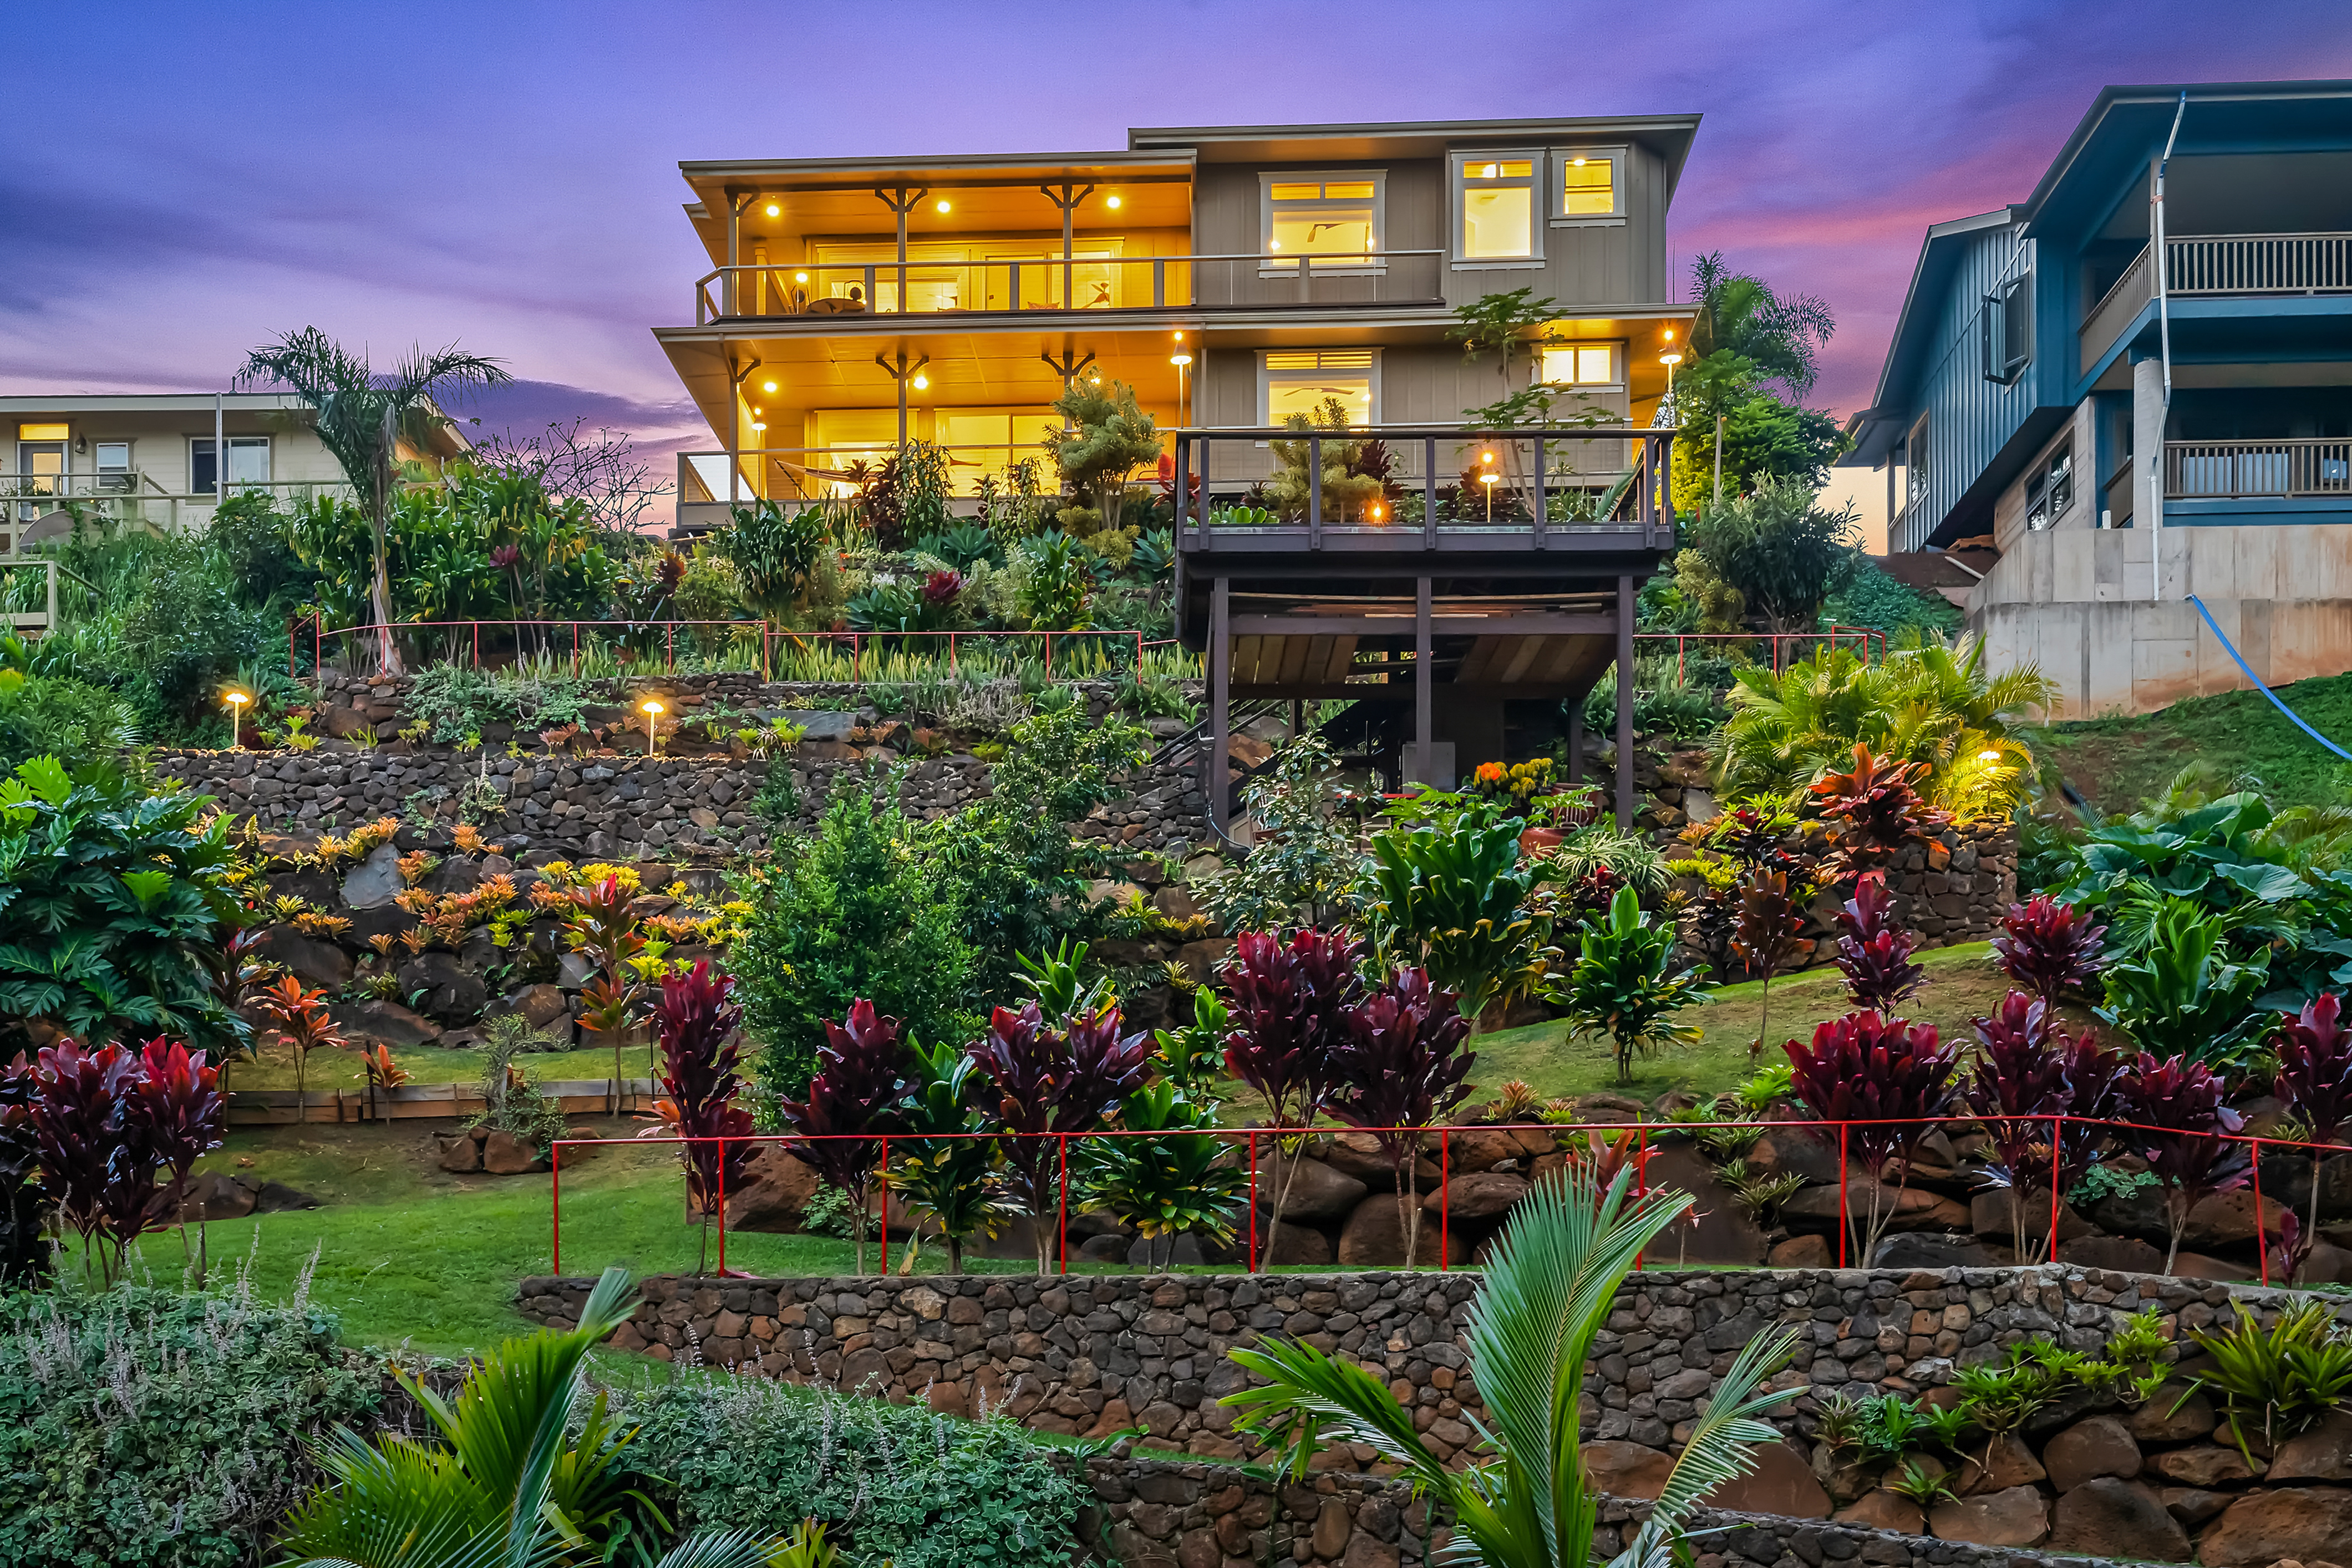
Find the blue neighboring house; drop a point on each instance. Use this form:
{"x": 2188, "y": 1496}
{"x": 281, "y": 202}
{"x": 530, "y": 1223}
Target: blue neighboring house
{"x": 2024, "y": 422}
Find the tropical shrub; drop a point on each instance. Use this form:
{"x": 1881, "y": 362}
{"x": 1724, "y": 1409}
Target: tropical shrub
{"x": 1453, "y": 898}
{"x": 1400, "y": 1068}
{"x": 1623, "y": 983}
{"x": 141, "y": 1427}
{"x": 1173, "y": 1181}
{"x": 852, "y": 1098}
{"x": 112, "y": 901}
{"x": 2174, "y": 1118}
{"x": 2029, "y": 1070}
{"x": 1892, "y": 1080}
{"x": 2314, "y": 1080}
{"x": 948, "y": 1177}
{"x": 1765, "y": 935}
{"x": 1933, "y": 704}
{"x": 23, "y": 1249}
{"x": 2293, "y": 1374}
{"x": 59, "y": 715}
{"x": 1525, "y": 1498}
{"x": 1303, "y": 859}
{"x": 894, "y": 1483}
{"x": 600, "y": 926}
{"x": 1872, "y": 812}
{"x": 1287, "y": 1018}
{"x": 2181, "y": 994}
{"x": 775, "y": 554}
{"x": 2050, "y": 948}
{"x": 858, "y": 911}
{"x": 508, "y": 1481}
{"x": 1873, "y": 949}
{"x": 694, "y": 1023}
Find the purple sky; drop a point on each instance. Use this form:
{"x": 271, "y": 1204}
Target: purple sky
{"x": 198, "y": 179}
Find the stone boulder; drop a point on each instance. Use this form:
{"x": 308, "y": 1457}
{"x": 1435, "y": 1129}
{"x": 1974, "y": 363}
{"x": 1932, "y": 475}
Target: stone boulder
{"x": 1296, "y": 1244}
{"x": 2321, "y": 1454}
{"x": 1477, "y": 1195}
{"x": 1884, "y": 1510}
{"x": 2204, "y": 1467}
{"x": 777, "y": 1189}
{"x": 1989, "y": 1215}
{"x": 462, "y": 1154}
{"x": 2308, "y": 1524}
{"x": 2225, "y": 1221}
{"x": 1307, "y": 1189}
{"x": 213, "y": 1195}
{"x": 451, "y": 993}
{"x": 2099, "y": 1446}
{"x": 1718, "y": 1230}
{"x": 375, "y": 880}
{"x": 2112, "y": 1518}
{"x": 2119, "y": 1254}
{"x": 538, "y": 1005}
{"x": 1915, "y": 1250}
{"x": 313, "y": 962}
{"x": 1782, "y": 1483}
{"x": 503, "y": 1154}
{"x": 2015, "y": 1516}
{"x": 378, "y": 1022}
{"x": 2177, "y": 1414}
{"x": 1627, "y": 1469}
{"x": 2004, "y": 1463}
{"x": 1802, "y": 1252}
{"x": 1373, "y": 1236}
{"x": 1359, "y": 1155}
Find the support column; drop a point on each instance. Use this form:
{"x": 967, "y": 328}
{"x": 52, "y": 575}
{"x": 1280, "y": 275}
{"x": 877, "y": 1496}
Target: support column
{"x": 1221, "y": 673}
{"x": 1625, "y": 704}
{"x": 2147, "y": 448}
{"x": 735, "y": 205}
{"x": 1576, "y": 738}
{"x": 1423, "y": 684}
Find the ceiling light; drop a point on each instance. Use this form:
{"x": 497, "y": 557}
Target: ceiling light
{"x": 767, "y": 386}
{"x": 1274, "y": 244}
{"x": 1579, "y": 162}
{"x": 799, "y": 277}
{"x": 1112, "y": 203}
{"x": 757, "y": 426}
{"x": 943, "y": 206}
{"x": 774, "y": 210}
{"x": 922, "y": 382}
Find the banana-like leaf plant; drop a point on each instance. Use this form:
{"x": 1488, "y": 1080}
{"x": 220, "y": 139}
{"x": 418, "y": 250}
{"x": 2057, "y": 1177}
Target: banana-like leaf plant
{"x": 1524, "y": 1501}
{"x": 1623, "y": 984}
{"x": 509, "y": 1483}
{"x": 1453, "y": 898}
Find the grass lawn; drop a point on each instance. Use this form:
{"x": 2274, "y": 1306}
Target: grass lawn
{"x": 1961, "y": 983}
{"x": 2119, "y": 763}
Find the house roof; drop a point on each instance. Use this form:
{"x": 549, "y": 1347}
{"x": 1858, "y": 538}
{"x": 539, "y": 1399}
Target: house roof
{"x": 1875, "y": 429}
{"x": 1669, "y": 134}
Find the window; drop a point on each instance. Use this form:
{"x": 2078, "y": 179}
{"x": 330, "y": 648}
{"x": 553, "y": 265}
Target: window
{"x": 1303, "y": 380}
{"x": 1336, "y": 214}
{"x": 1579, "y": 365}
{"x": 986, "y": 442}
{"x": 2050, "y": 490}
{"x": 43, "y": 432}
{"x": 1591, "y": 187}
{"x": 2007, "y": 329}
{"x": 111, "y": 461}
{"x": 249, "y": 462}
{"x": 1915, "y": 462}
{"x": 1495, "y": 208}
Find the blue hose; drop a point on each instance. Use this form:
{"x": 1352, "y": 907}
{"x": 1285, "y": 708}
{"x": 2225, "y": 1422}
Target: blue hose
{"x": 2264, "y": 689}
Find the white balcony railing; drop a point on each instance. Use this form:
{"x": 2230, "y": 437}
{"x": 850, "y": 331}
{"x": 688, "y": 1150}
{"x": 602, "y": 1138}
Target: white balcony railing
{"x": 2227, "y": 470}
{"x": 1054, "y": 283}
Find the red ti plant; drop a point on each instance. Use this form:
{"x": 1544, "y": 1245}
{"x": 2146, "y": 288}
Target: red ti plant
{"x": 850, "y": 1107}
{"x": 176, "y": 1114}
{"x": 1876, "y": 810}
{"x": 1402, "y": 1066}
{"x": 89, "y": 1161}
{"x": 1287, "y": 998}
{"x": 1891, "y": 1079}
{"x": 2314, "y": 1083}
{"x": 1042, "y": 1081}
{"x": 24, "y": 1252}
{"x": 1873, "y": 950}
{"x": 1765, "y": 935}
{"x": 696, "y": 1022}
{"x": 603, "y": 929}
{"x": 2050, "y": 948}
{"x": 303, "y": 1023}
{"x": 2174, "y": 1118}
{"x": 2028, "y": 1072}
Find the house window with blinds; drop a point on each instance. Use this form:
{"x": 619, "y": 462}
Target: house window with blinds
{"x": 1306, "y": 381}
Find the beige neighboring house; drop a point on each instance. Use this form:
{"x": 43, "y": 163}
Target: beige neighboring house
{"x": 155, "y": 460}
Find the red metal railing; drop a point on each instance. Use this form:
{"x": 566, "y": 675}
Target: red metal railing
{"x": 1250, "y": 1136}
{"x": 770, "y": 637}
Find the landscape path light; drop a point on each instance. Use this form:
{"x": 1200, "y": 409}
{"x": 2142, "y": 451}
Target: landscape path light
{"x": 652, "y": 711}
{"x": 237, "y": 701}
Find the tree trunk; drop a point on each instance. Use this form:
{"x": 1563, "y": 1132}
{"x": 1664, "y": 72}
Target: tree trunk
{"x": 1409, "y": 1184}
{"x": 955, "y": 1253}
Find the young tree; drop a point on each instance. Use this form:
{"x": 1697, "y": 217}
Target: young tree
{"x": 1106, "y": 437}
{"x": 1398, "y": 1069}
{"x": 303, "y": 1022}
{"x": 364, "y": 419}
{"x": 1780, "y": 550}
{"x": 695, "y": 1022}
{"x": 601, "y": 928}
{"x": 2028, "y": 1072}
{"x": 1754, "y": 353}
{"x": 1765, "y": 935}
{"x": 2175, "y": 1121}
{"x": 1623, "y": 984}
{"x": 1288, "y": 1002}
{"x": 1889, "y": 1077}
{"x": 852, "y": 1101}
{"x": 1304, "y": 860}
{"x": 2314, "y": 1079}
{"x": 174, "y": 1116}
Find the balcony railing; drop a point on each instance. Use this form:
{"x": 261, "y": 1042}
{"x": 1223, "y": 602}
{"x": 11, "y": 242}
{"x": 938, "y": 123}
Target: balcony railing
{"x": 2213, "y": 265}
{"x": 123, "y": 496}
{"x": 2229, "y": 470}
{"x": 1031, "y": 285}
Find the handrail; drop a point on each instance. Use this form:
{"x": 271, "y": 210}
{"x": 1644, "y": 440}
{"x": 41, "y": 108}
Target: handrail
{"x": 1642, "y": 1132}
{"x": 797, "y": 289}
{"x": 2288, "y": 467}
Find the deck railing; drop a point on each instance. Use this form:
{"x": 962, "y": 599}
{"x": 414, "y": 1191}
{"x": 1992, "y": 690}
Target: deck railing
{"x": 2215, "y": 265}
{"x": 1031, "y": 283}
{"x": 2227, "y": 470}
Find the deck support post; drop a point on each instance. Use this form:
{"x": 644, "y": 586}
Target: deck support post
{"x": 1423, "y": 684}
{"x": 1576, "y": 738}
{"x": 1221, "y": 679}
{"x": 1625, "y": 703}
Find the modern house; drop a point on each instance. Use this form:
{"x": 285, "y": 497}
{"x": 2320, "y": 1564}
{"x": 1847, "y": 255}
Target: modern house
{"x": 156, "y": 459}
{"x": 1235, "y": 276}
{"x": 2103, "y": 438}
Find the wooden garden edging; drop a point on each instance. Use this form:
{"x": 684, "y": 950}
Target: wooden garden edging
{"x": 426, "y": 1102}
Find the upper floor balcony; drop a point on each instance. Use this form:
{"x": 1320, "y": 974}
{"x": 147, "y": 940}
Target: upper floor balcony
{"x": 2215, "y": 266}
{"x": 1046, "y": 283}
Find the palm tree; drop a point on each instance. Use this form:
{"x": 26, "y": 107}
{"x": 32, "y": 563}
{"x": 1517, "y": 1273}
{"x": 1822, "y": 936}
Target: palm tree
{"x": 510, "y": 1486}
{"x": 363, "y": 418}
{"x": 1548, "y": 1286}
{"x": 1780, "y": 335}
{"x": 1931, "y": 702}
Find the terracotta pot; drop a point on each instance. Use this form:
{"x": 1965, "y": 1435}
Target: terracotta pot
{"x": 1535, "y": 841}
